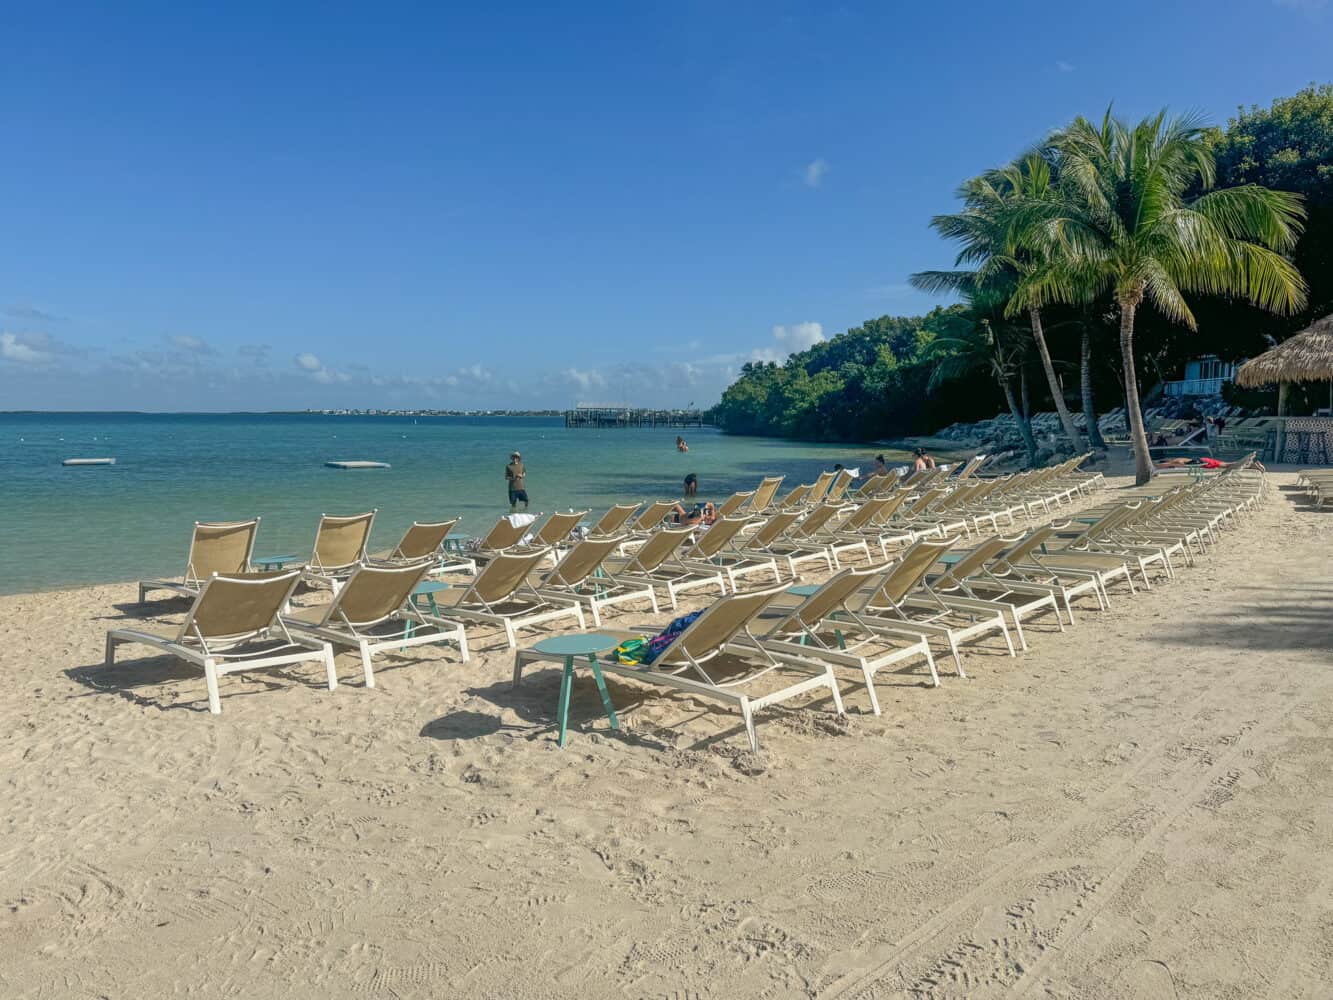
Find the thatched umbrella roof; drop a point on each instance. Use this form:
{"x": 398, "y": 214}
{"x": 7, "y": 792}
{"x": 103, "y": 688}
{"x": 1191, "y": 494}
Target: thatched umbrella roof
{"x": 1305, "y": 357}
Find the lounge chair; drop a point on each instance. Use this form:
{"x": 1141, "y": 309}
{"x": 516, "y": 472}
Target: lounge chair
{"x": 967, "y": 580}
{"x": 234, "y": 625}
{"x": 656, "y": 563}
{"x": 1012, "y": 564}
{"x": 222, "y": 547}
{"x": 690, "y": 663}
{"x": 502, "y": 595}
{"x": 652, "y": 517}
{"x": 820, "y": 487}
{"x": 713, "y": 550}
{"x": 733, "y": 503}
{"x": 796, "y": 499}
{"x": 824, "y": 627}
{"x": 425, "y": 540}
{"x": 764, "y": 493}
{"x": 769, "y": 542}
{"x": 373, "y": 611}
{"x": 840, "y": 483}
{"x": 1032, "y": 555}
{"x": 580, "y": 575}
{"x": 556, "y": 529}
{"x": 614, "y": 520}
{"x": 503, "y": 536}
{"x": 340, "y": 546}
{"x": 903, "y": 600}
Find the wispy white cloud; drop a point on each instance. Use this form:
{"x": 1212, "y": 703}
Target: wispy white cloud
{"x": 813, "y": 172}
{"x": 28, "y": 311}
{"x": 318, "y": 371}
{"x": 1064, "y": 67}
{"x": 186, "y": 342}
{"x": 789, "y": 340}
{"x": 24, "y": 349}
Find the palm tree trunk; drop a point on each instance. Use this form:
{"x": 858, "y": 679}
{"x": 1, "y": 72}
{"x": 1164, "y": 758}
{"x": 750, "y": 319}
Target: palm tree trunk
{"x": 1057, "y": 394}
{"x": 1024, "y": 424}
{"x": 1023, "y": 393}
{"x": 1138, "y": 439}
{"x": 1085, "y": 382}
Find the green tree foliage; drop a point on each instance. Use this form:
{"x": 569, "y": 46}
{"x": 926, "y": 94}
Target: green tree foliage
{"x": 867, "y": 383}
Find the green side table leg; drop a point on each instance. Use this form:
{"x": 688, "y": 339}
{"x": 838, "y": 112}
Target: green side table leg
{"x": 606, "y": 695}
{"x": 566, "y": 682}
{"x": 433, "y": 609}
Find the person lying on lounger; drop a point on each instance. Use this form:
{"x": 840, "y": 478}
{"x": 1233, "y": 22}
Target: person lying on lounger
{"x": 1207, "y": 463}
{"x": 703, "y": 513}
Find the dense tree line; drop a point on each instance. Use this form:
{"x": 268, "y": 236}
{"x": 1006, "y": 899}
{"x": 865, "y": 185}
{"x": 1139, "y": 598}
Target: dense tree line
{"x": 1110, "y": 247}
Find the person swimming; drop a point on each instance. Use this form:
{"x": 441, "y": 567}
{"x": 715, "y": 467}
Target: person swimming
{"x": 680, "y": 444}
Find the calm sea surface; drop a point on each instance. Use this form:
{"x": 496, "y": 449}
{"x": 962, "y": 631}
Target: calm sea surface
{"x": 64, "y": 526}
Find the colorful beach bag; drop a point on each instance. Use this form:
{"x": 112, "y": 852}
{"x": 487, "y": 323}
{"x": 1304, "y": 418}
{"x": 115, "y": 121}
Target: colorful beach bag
{"x": 635, "y": 651}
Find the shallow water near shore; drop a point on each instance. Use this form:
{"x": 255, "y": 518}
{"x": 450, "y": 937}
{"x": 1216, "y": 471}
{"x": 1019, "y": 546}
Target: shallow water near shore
{"x": 64, "y": 526}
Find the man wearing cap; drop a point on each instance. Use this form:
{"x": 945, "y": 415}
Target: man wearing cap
{"x": 515, "y": 475}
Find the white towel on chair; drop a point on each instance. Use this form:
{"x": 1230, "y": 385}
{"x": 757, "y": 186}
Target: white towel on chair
{"x": 520, "y": 520}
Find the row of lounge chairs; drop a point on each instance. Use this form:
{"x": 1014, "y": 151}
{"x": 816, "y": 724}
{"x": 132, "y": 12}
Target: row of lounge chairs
{"x": 371, "y": 607}
{"x": 866, "y": 619}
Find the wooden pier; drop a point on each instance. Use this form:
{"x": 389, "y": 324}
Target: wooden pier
{"x": 585, "y": 415}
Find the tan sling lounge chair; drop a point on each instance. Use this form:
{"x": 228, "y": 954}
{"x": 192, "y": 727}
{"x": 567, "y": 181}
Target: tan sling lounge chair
{"x": 573, "y": 578}
{"x": 502, "y": 595}
{"x": 691, "y": 662}
{"x": 903, "y": 600}
{"x": 657, "y": 564}
{"x": 233, "y": 625}
{"x": 372, "y": 611}
{"x": 425, "y": 540}
{"x": 222, "y": 547}
{"x": 764, "y": 493}
{"x": 614, "y": 520}
{"x": 713, "y": 551}
{"x": 967, "y": 580}
{"x": 340, "y": 546}
{"x": 824, "y": 627}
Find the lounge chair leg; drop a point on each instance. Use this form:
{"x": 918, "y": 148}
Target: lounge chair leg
{"x": 330, "y": 669}
{"x": 870, "y": 689}
{"x": 1008, "y": 640}
{"x": 958, "y": 660}
{"x": 365, "y": 664}
{"x": 930, "y": 662}
{"x": 748, "y": 716}
{"x": 596, "y": 615}
{"x": 833, "y": 690}
{"x": 509, "y": 634}
{"x": 110, "y": 651}
{"x": 463, "y": 653}
{"x": 566, "y": 682}
{"x": 652, "y": 599}
{"x": 211, "y": 680}
{"x": 1018, "y": 627}
{"x": 518, "y": 668}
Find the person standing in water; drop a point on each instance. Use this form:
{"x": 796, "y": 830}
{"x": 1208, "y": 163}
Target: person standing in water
{"x": 516, "y": 478}
{"x": 680, "y": 444}
{"x": 691, "y": 485}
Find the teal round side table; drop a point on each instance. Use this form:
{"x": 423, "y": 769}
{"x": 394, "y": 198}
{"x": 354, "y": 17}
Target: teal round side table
{"x": 567, "y": 648}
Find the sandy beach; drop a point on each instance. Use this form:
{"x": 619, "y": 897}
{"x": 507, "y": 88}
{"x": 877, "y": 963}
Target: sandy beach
{"x": 1139, "y": 807}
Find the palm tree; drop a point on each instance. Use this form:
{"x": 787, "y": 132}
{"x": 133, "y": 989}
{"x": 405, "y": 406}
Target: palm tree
{"x": 996, "y": 351}
{"x": 1126, "y": 226}
{"x": 995, "y": 246}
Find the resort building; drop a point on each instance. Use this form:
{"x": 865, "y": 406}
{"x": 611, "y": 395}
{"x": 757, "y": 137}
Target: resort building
{"x": 1204, "y": 376}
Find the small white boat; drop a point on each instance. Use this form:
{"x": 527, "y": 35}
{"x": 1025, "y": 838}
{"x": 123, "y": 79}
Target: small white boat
{"x": 89, "y": 461}
{"x": 357, "y": 465}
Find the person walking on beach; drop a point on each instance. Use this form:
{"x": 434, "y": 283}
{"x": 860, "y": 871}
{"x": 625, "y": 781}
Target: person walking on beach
{"x": 516, "y": 477}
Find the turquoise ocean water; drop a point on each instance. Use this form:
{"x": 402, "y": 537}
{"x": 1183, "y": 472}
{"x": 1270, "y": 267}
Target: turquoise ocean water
{"x": 66, "y": 526}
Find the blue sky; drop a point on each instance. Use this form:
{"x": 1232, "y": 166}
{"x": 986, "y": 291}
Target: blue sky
{"x": 274, "y": 206}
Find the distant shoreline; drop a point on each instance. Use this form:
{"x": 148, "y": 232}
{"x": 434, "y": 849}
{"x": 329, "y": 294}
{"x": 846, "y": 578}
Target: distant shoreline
{"x": 285, "y": 413}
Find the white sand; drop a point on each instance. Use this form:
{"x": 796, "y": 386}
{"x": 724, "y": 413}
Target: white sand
{"x": 1140, "y": 807}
